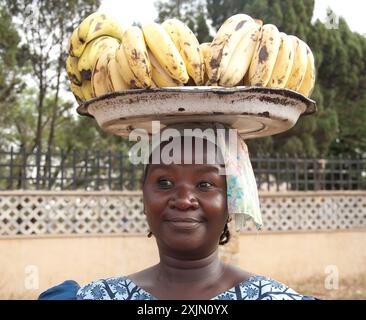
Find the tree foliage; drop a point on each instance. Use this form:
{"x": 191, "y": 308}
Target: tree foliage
{"x": 192, "y": 12}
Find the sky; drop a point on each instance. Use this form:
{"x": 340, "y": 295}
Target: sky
{"x": 143, "y": 11}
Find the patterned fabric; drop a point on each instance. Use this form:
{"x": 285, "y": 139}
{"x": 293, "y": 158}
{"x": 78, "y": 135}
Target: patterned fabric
{"x": 255, "y": 288}
{"x": 241, "y": 186}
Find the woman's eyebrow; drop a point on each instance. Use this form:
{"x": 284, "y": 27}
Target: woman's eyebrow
{"x": 207, "y": 168}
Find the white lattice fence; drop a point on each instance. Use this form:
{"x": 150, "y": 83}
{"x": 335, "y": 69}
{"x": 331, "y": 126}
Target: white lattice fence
{"x": 53, "y": 213}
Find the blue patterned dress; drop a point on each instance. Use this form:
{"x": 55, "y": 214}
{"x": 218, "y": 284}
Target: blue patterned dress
{"x": 122, "y": 288}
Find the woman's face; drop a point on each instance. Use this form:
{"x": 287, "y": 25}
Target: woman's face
{"x": 186, "y": 205}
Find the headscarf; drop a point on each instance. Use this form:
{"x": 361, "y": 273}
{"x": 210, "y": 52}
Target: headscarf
{"x": 241, "y": 186}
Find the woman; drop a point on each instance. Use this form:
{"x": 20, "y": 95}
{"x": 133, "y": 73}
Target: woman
{"x": 188, "y": 204}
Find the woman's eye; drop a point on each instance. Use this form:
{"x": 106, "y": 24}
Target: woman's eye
{"x": 164, "y": 183}
{"x": 205, "y": 185}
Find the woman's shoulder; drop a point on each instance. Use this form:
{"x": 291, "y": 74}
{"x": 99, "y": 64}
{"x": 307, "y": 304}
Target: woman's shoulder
{"x": 259, "y": 287}
{"x": 64, "y": 291}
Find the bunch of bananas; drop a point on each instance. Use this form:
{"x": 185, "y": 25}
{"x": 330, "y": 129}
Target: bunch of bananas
{"x": 105, "y": 58}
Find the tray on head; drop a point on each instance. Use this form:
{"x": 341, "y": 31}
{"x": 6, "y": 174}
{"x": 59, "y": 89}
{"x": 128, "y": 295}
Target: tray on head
{"x": 253, "y": 111}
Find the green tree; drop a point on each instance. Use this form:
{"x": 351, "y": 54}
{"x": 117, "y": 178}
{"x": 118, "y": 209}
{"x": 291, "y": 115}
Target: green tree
{"x": 12, "y": 67}
{"x": 191, "y": 12}
{"x": 45, "y": 27}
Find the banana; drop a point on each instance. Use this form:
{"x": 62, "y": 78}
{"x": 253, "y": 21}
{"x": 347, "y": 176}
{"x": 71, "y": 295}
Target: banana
{"x": 259, "y": 22}
{"x": 86, "y": 89}
{"x": 72, "y": 70}
{"x": 160, "y": 76}
{"x": 115, "y": 80}
{"x": 188, "y": 46}
{"x": 265, "y": 56}
{"x": 99, "y": 78}
{"x": 125, "y": 70}
{"x": 76, "y": 90}
{"x": 285, "y": 59}
{"x": 91, "y": 53}
{"x": 299, "y": 66}
{"x": 136, "y": 53}
{"x": 224, "y": 44}
{"x": 205, "y": 54}
{"x": 308, "y": 82}
{"x": 95, "y": 25}
{"x": 73, "y": 42}
{"x": 165, "y": 52}
{"x": 241, "y": 58}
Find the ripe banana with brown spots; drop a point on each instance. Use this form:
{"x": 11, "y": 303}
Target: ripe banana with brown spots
{"x": 285, "y": 59}
{"x": 241, "y": 58}
{"x": 136, "y": 54}
{"x": 115, "y": 79}
{"x": 86, "y": 89}
{"x": 95, "y": 25}
{"x": 307, "y": 85}
{"x": 205, "y": 48}
{"x": 265, "y": 56}
{"x": 160, "y": 76}
{"x": 77, "y": 92}
{"x": 72, "y": 70}
{"x": 165, "y": 51}
{"x": 92, "y": 52}
{"x": 188, "y": 47}
{"x": 99, "y": 78}
{"x": 224, "y": 44}
{"x": 299, "y": 66}
{"x": 124, "y": 69}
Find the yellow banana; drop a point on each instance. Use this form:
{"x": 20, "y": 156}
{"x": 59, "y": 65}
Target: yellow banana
{"x": 205, "y": 54}
{"x": 76, "y": 90}
{"x": 308, "y": 82}
{"x": 285, "y": 59}
{"x": 265, "y": 56}
{"x": 73, "y": 42}
{"x": 95, "y": 25}
{"x": 160, "y": 76}
{"x": 299, "y": 66}
{"x": 91, "y": 53}
{"x": 115, "y": 80}
{"x": 72, "y": 70}
{"x": 165, "y": 52}
{"x": 99, "y": 78}
{"x": 136, "y": 53}
{"x": 188, "y": 46}
{"x": 125, "y": 69}
{"x": 241, "y": 58}
{"x": 86, "y": 89}
{"x": 224, "y": 44}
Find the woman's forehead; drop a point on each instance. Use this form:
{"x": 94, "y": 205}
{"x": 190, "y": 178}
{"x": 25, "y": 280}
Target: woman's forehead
{"x": 196, "y": 168}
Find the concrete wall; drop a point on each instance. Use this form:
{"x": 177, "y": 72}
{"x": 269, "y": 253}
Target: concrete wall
{"x": 27, "y": 262}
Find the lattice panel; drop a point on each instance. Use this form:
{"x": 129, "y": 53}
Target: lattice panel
{"x": 53, "y": 213}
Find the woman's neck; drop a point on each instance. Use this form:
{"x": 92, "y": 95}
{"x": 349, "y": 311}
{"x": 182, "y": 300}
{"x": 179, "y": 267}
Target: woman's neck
{"x": 176, "y": 271}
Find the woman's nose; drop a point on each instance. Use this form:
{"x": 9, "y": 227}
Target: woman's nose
{"x": 183, "y": 199}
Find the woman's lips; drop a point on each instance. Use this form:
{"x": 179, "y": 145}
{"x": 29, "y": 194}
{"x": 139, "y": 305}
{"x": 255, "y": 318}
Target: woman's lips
{"x": 184, "y": 223}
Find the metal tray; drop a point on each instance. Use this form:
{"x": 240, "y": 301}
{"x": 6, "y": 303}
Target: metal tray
{"x": 254, "y": 111}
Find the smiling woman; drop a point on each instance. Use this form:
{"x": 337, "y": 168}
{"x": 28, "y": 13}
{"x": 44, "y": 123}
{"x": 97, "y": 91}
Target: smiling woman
{"x": 189, "y": 197}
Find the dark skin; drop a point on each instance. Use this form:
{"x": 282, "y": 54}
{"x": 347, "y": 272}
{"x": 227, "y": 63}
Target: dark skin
{"x": 186, "y": 209}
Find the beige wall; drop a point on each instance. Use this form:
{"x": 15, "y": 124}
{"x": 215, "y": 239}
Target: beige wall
{"x": 287, "y": 257}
